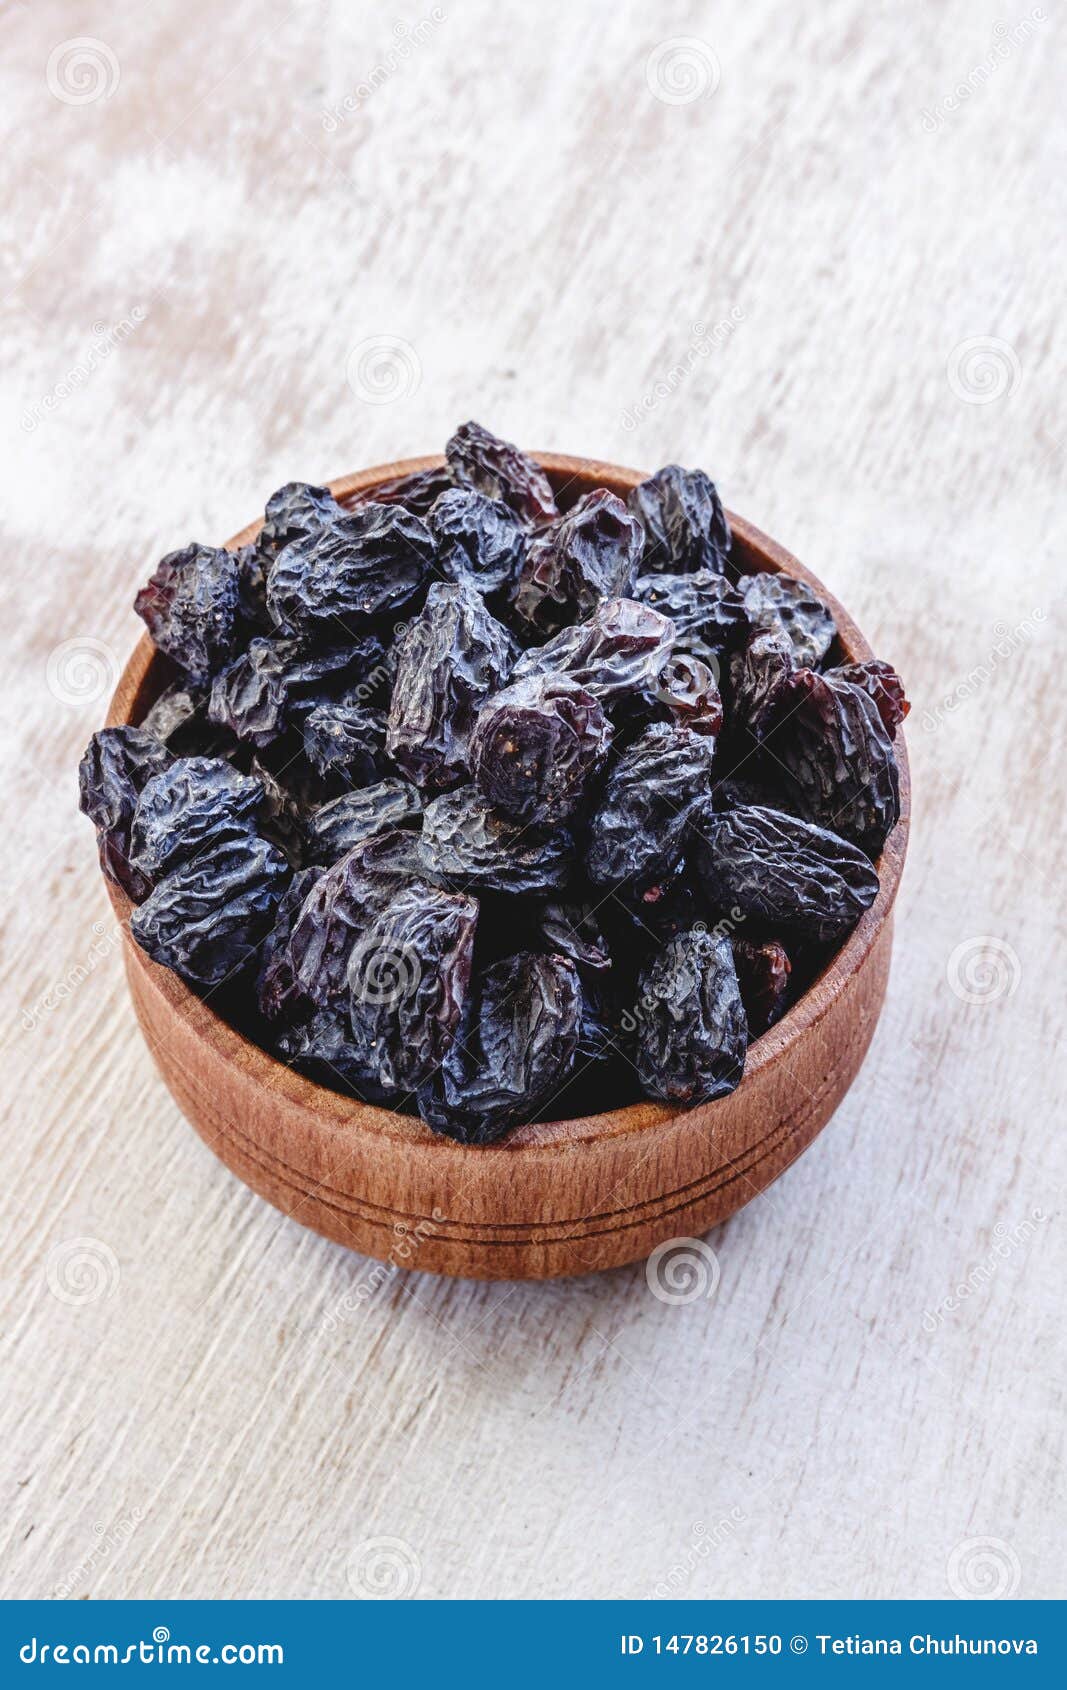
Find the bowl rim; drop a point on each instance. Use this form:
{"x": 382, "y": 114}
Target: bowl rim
{"x": 244, "y": 1056}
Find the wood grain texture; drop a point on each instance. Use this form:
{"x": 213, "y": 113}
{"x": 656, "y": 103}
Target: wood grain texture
{"x": 559, "y": 1196}
{"x": 836, "y": 292}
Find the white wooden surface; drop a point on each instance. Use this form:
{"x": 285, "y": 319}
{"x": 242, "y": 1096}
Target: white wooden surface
{"x": 201, "y": 1400}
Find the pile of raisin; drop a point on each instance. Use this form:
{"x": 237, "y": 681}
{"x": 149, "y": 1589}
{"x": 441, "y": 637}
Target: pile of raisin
{"x": 493, "y": 805}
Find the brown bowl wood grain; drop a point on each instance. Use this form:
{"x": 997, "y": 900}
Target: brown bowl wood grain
{"x": 559, "y": 1197}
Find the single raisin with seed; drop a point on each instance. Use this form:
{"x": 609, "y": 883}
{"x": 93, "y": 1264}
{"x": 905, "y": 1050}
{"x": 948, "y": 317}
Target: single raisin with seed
{"x": 340, "y": 906}
{"x": 573, "y": 930}
{"x": 763, "y": 971}
{"x": 278, "y": 996}
{"x": 295, "y": 510}
{"x": 193, "y": 803}
{"x": 321, "y": 1046}
{"x": 779, "y": 603}
{"x": 883, "y": 684}
{"x": 708, "y": 612}
{"x": 253, "y": 697}
{"x": 623, "y": 647}
{"x": 479, "y": 540}
{"x": 117, "y": 765}
{"x": 832, "y": 742}
{"x": 208, "y": 916}
{"x": 417, "y": 491}
{"x": 345, "y": 743}
{"x": 334, "y": 828}
{"x": 535, "y": 747}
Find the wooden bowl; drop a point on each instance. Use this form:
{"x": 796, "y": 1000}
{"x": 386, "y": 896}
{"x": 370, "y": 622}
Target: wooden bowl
{"x": 559, "y": 1197}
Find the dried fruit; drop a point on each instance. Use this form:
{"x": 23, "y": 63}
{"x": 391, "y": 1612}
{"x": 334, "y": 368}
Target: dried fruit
{"x": 588, "y": 555}
{"x": 339, "y": 908}
{"x": 759, "y": 680}
{"x": 515, "y": 1051}
{"x": 639, "y": 830}
{"x": 684, "y": 524}
{"x": 883, "y": 684}
{"x": 278, "y": 996}
{"x": 450, "y": 658}
{"x": 194, "y": 803}
{"x": 468, "y": 845}
{"x": 421, "y": 859}
{"x": 778, "y": 603}
{"x": 417, "y": 491}
{"x": 782, "y": 870}
{"x": 370, "y": 563}
{"x": 480, "y": 460}
{"x": 622, "y": 648}
{"x": 322, "y": 1047}
{"x": 573, "y": 931}
{"x": 190, "y": 608}
{"x": 295, "y": 510}
{"x": 179, "y": 719}
{"x": 479, "y": 540}
{"x": 708, "y": 612}
{"x": 763, "y": 972}
{"x": 345, "y": 743}
{"x": 535, "y": 747}
{"x": 687, "y": 693}
{"x": 832, "y": 742}
{"x": 690, "y": 1039}
{"x": 407, "y": 978}
{"x": 206, "y": 919}
{"x": 117, "y": 765}
{"x": 335, "y": 828}
{"x": 252, "y": 697}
